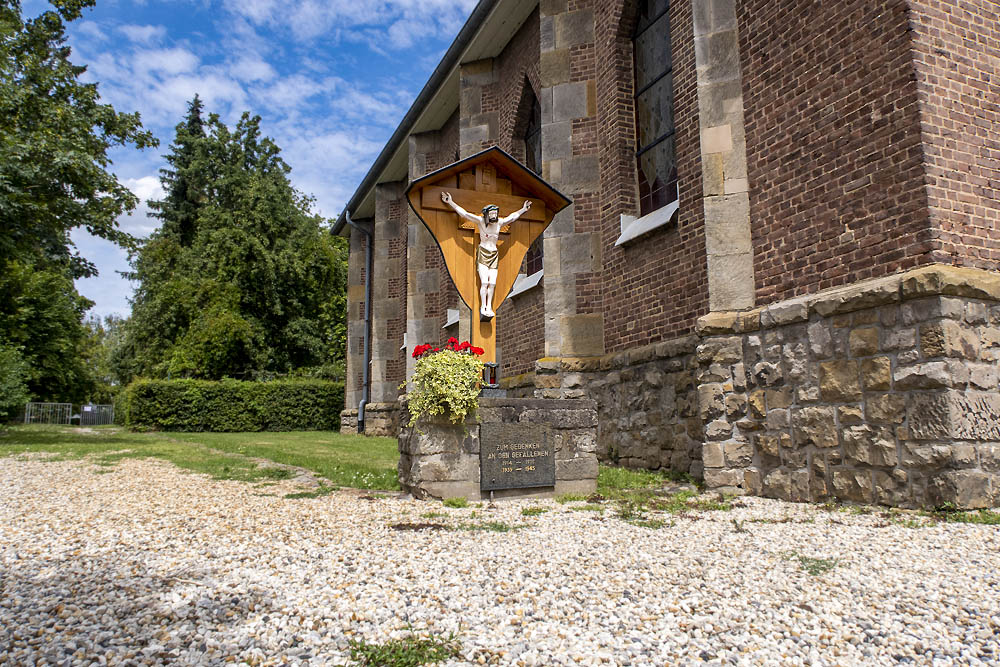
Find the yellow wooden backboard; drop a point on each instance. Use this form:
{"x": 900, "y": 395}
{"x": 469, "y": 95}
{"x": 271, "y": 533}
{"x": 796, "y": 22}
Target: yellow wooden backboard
{"x": 489, "y": 177}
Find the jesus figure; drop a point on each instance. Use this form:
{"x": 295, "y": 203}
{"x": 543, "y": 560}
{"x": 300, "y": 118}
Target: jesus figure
{"x": 489, "y": 225}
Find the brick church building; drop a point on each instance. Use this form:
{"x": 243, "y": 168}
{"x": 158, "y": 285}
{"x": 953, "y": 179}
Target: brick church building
{"x": 779, "y": 272}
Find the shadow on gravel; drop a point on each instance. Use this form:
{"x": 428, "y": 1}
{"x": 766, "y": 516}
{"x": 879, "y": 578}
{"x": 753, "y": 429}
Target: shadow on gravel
{"x": 67, "y": 609}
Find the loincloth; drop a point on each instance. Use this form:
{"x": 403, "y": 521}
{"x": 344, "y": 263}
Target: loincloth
{"x": 489, "y": 258}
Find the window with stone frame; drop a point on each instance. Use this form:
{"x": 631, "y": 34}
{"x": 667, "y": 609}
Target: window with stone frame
{"x": 533, "y": 160}
{"x": 654, "y": 102}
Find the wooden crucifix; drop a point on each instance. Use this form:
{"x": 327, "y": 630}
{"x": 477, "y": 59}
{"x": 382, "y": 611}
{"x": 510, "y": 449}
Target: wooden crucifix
{"x": 484, "y": 212}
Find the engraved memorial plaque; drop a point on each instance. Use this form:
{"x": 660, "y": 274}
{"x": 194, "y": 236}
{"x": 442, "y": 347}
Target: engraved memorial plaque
{"x": 516, "y": 456}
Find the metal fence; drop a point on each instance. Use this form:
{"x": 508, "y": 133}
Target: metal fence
{"x": 62, "y": 413}
{"x": 97, "y": 415}
{"x": 48, "y": 413}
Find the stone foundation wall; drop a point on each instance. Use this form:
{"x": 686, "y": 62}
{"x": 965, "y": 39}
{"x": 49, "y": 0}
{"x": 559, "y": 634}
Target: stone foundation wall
{"x": 883, "y": 392}
{"x": 441, "y": 460}
{"x": 381, "y": 419}
{"x": 646, "y": 402}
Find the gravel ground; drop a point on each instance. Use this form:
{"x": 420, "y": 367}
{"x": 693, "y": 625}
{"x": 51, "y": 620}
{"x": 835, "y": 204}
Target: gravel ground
{"x": 148, "y": 565}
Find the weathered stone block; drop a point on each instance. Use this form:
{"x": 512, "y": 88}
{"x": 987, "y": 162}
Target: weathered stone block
{"x": 778, "y": 398}
{"x": 719, "y": 429}
{"x": 711, "y": 401}
{"x": 777, "y": 419}
{"x": 581, "y": 467}
{"x": 876, "y": 374}
{"x": 767, "y": 374}
{"x": 769, "y": 444}
{"x": 738, "y": 454}
{"x": 929, "y": 375}
{"x": 839, "y": 381}
{"x": 869, "y": 445}
{"x": 864, "y": 342}
{"x": 562, "y": 418}
{"x": 970, "y": 415}
{"x": 725, "y": 350}
{"x": 756, "y": 401}
{"x": 919, "y": 455}
{"x": 900, "y": 339}
{"x": 965, "y": 489}
{"x": 947, "y": 338}
{"x": 853, "y": 485}
{"x": 717, "y": 478}
{"x": 815, "y": 426}
{"x": 850, "y": 414}
{"x": 886, "y": 408}
{"x": 713, "y": 455}
{"x": 820, "y": 340}
{"x": 736, "y": 406}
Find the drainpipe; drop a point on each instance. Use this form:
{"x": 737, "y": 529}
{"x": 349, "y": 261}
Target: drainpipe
{"x": 366, "y": 370}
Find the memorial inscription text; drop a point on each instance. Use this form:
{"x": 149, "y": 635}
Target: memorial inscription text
{"x": 515, "y": 456}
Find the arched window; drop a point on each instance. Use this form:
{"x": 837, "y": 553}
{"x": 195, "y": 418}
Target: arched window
{"x": 654, "y": 107}
{"x": 533, "y": 160}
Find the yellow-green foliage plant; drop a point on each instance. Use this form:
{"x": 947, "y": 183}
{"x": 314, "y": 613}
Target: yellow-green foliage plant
{"x": 446, "y": 382}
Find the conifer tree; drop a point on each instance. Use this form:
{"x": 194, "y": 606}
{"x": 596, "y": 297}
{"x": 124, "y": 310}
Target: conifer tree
{"x": 241, "y": 280}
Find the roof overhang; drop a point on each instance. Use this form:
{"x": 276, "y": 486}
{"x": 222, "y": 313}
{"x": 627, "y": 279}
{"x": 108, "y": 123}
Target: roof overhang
{"x": 485, "y": 34}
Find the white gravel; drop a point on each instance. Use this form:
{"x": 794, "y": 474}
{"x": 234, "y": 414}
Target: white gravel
{"x": 148, "y": 565}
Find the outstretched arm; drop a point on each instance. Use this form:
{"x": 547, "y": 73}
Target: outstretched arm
{"x": 462, "y": 213}
{"x": 517, "y": 214}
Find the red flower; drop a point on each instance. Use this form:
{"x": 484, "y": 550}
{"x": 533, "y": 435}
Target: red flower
{"x": 478, "y": 351}
{"x": 453, "y": 341}
{"x": 462, "y": 347}
{"x": 420, "y": 350}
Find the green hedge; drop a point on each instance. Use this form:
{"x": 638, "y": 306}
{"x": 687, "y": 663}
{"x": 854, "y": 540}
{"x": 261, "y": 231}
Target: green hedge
{"x": 231, "y": 405}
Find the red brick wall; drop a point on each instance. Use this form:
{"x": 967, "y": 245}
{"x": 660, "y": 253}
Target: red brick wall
{"x": 833, "y": 143}
{"x": 521, "y": 332}
{"x": 654, "y": 288}
{"x": 956, "y": 50}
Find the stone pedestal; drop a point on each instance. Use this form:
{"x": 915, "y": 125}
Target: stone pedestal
{"x": 442, "y": 460}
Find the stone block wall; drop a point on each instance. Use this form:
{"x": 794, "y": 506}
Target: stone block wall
{"x": 882, "y": 392}
{"x": 381, "y": 419}
{"x": 442, "y": 460}
{"x": 646, "y": 402}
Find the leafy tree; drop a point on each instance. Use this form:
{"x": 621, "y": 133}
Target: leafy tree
{"x": 104, "y": 338}
{"x": 240, "y": 280}
{"x": 54, "y": 177}
{"x": 13, "y": 391}
{"x": 42, "y": 315}
{"x": 54, "y": 139}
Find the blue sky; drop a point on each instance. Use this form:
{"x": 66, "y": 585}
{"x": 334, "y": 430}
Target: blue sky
{"x": 330, "y": 78}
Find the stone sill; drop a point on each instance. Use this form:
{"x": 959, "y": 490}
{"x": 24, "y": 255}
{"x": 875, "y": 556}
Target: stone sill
{"x": 633, "y": 228}
{"x": 524, "y": 282}
{"x": 934, "y": 280}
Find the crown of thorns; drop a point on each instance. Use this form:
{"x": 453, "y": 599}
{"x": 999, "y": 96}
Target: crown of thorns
{"x": 490, "y": 207}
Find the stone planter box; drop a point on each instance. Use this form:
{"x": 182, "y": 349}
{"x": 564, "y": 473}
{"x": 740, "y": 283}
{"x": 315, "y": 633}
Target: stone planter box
{"x": 442, "y": 460}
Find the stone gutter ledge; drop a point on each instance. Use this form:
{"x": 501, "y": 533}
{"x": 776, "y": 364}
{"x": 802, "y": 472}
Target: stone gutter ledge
{"x": 934, "y": 280}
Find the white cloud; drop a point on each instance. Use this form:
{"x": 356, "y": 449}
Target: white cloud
{"x": 252, "y": 69}
{"x": 396, "y": 22}
{"x": 140, "y": 222}
{"x": 144, "y": 34}
{"x": 290, "y": 93}
{"x": 170, "y": 61}
{"x": 91, "y": 30}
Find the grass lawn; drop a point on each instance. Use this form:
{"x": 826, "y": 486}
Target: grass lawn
{"x": 343, "y": 460}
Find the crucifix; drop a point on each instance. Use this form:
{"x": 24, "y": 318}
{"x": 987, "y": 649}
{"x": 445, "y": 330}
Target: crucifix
{"x": 483, "y": 253}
